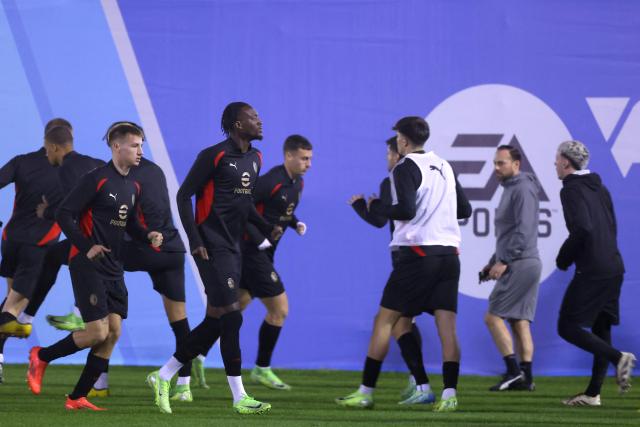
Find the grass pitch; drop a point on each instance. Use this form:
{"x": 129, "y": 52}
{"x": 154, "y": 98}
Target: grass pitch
{"x": 310, "y": 403}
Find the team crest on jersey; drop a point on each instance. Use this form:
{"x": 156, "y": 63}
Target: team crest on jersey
{"x": 290, "y": 208}
{"x": 255, "y": 167}
{"x": 231, "y": 283}
{"x": 274, "y": 276}
{"x": 122, "y": 212}
{"x": 93, "y": 299}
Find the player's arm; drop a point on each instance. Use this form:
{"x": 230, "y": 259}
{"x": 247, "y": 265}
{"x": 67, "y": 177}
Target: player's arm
{"x": 72, "y": 207}
{"x": 524, "y": 205}
{"x": 377, "y": 218}
{"x": 8, "y": 172}
{"x": 67, "y": 180}
{"x": 200, "y": 172}
{"x": 137, "y": 229}
{"x": 579, "y": 224}
{"x": 407, "y": 178}
{"x": 464, "y": 207}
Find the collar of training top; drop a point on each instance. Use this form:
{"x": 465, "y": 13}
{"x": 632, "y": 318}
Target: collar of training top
{"x": 234, "y": 148}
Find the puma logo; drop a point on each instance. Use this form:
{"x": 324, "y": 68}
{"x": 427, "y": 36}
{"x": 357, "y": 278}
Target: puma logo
{"x": 234, "y": 164}
{"x": 434, "y": 168}
{"x": 113, "y": 195}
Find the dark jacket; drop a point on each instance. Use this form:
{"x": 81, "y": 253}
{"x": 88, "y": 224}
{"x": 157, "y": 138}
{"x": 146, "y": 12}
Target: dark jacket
{"x": 591, "y": 221}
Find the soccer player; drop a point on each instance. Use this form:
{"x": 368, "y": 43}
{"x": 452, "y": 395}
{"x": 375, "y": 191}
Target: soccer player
{"x": 105, "y": 202}
{"x": 222, "y": 178}
{"x": 277, "y": 195}
{"x": 26, "y": 237}
{"x": 591, "y": 299}
{"x": 516, "y": 266}
{"x": 426, "y": 270}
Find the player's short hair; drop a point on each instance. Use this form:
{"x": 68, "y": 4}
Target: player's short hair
{"x": 296, "y": 142}
{"x": 120, "y": 129}
{"x": 576, "y": 152}
{"x": 413, "y": 127}
{"x": 230, "y": 115}
{"x": 392, "y": 143}
{"x": 58, "y": 121}
{"x": 59, "y": 135}
{"x": 513, "y": 152}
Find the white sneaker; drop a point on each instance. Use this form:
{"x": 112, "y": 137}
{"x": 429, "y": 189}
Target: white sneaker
{"x": 624, "y": 370}
{"x": 582, "y": 400}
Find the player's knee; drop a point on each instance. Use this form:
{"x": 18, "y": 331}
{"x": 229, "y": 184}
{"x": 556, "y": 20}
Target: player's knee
{"x": 98, "y": 335}
{"x": 564, "y": 328}
{"x": 231, "y": 322}
{"x": 489, "y": 319}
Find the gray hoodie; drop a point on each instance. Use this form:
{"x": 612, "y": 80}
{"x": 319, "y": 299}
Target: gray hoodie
{"x": 517, "y": 219}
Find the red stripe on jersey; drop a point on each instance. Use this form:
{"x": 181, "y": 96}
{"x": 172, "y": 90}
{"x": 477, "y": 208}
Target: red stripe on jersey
{"x": 52, "y": 234}
{"x": 86, "y": 223}
{"x": 218, "y": 158}
{"x": 73, "y": 252}
{"x": 275, "y": 190}
{"x": 4, "y": 234}
{"x": 101, "y": 183}
{"x": 260, "y": 157}
{"x": 301, "y": 184}
{"x": 204, "y": 203}
{"x": 418, "y": 250}
{"x": 137, "y": 186}
{"x": 260, "y": 208}
{"x": 143, "y": 223}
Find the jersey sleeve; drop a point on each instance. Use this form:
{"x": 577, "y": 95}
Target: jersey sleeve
{"x": 407, "y": 178}
{"x": 8, "y": 172}
{"x": 72, "y": 207}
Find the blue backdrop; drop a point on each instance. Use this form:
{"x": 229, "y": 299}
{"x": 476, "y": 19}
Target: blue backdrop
{"x": 341, "y": 73}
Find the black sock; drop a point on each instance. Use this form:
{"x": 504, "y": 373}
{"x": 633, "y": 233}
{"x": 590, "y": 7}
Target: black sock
{"x": 180, "y": 330}
{"x": 371, "y": 372}
{"x": 416, "y": 333}
{"x": 450, "y": 372}
{"x": 62, "y": 348}
{"x": 412, "y": 355}
{"x": 230, "y": 324}
{"x": 2, "y": 341}
{"x": 511, "y": 363}
{"x": 92, "y": 369}
{"x": 199, "y": 340}
{"x": 6, "y": 317}
{"x": 267, "y": 339}
{"x": 526, "y": 368}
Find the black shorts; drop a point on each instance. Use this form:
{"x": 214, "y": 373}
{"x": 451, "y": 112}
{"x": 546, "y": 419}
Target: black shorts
{"x": 22, "y": 263}
{"x": 96, "y": 296}
{"x": 166, "y": 269}
{"x": 220, "y": 276}
{"x": 258, "y": 275}
{"x": 586, "y": 299}
{"x": 422, "y": 283}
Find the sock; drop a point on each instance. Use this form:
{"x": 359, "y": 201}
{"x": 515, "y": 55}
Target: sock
{"x": 236, "y": 386}
{"x": 2, "y": 341}
{"x": 92, "y": 369}
{"x": 6, "y": 317}
{"x": 371, "y": 372}
{"x": 526, "y": 368}
{"x": 450, "y": 372}
{"x": 102, "y": 382}
{"x": 426, "y": 388}
{"x": 448, "y": 393}
{"x": 169, "y": 369}
{"x": 76, "y": 311}
{"x": 25, "y": 318}
{"x": 416, "y": 333}
{"x": 267, "y": 339}
{"x": 200, "y": 340}
{"x": 412, "y": 355}
{"x": 365, "y": 390}
{"x": 181, "y": 330}
{"x": 184, "y": 380}
{"x": 512, "y": 364}
{"x": 62, "y": 348}
{"x": 230, "y": 324}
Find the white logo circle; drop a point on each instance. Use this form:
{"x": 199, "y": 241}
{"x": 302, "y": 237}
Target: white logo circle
{"x": 466, "y": 128}
{"x": 122, "y": 212}
{"x": 246, "y": 179}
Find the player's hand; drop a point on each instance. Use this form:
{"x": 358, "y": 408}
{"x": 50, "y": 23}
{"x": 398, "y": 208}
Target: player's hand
{"x": 371, "y": 199}
{"x": 266, "y": 244}
{"x": 200, "y": 252}
{"x": 277, "y": 232}
{"x": 156, "y": 238}
{"x": 355, "y": 198}
{"x": 97, "y": 251}
{"x": 42, "y": 207}
{"x": 497, "y": 270}
{"x": 301, "y": 228}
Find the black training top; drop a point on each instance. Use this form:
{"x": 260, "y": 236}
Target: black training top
{"x": 276, "y": 197}
{"x": 73, "y": 166}
{"x": 592, "y": 243}
{"x": 34, "y": 178}
{"x": 377, "y": 219}
{"x": 154, "y": 211}
{"x": 223, "y": 179}
{"x": 104, "y": 201}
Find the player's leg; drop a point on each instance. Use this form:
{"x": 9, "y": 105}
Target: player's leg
{"x": 503, "y": 341}
{"x": 524, "y": 345}
{"x": 418, "y": 390}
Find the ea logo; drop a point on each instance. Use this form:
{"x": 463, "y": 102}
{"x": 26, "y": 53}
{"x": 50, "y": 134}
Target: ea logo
{"x": 246, "y": 179}
{"x": 122, "y": 212}
{"x": 290, "y": 208}
{"x": 466, "y": 129}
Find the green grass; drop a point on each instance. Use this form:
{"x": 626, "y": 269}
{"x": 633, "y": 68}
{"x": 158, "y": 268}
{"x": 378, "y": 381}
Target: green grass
{"x": 309, "y": 404}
